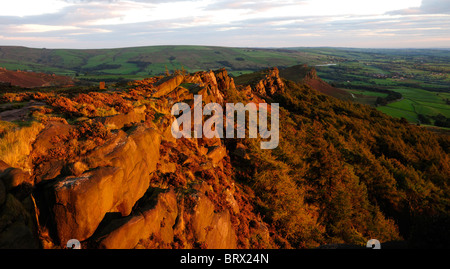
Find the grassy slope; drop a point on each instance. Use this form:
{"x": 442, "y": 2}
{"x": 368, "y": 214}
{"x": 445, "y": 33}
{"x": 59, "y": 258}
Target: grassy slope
{"x": 145, "y": 61}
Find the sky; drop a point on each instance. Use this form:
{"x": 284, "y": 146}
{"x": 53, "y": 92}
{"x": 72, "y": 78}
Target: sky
{"x": 84, "y": 24}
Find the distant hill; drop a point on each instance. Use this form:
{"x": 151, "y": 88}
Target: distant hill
{"x": 308, "y": 75}
{"x": 147, "y": 61}
{"x": 27, "y": 79}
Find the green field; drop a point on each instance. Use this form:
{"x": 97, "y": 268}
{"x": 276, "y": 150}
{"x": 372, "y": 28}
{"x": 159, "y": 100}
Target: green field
{"x": 421, "y": 76}
{"x": 149, "y": 61}
{"x": 417, "y": 102}
{"x": 368, "y": 93}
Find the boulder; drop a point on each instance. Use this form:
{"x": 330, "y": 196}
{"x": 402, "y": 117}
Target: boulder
{"x": 118, "y": 176}
{"x": 119, "y": 121}
{"x": 49, "y": 170}
{"x": 178, "y": 94}
{"x": 16, "y": 225}
{"x": 45, "y": 140}
{"x": 13, "y": 177}
{"x": 211, "y": 92}
{"x": 82, "y": 202}
{"x": 154, "y": 218}
{"x": 166, "y": 85}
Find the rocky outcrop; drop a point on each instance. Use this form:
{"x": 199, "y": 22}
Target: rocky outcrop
{"x": 154, "y": 219}
{"x": 46, "y": 144}
{"x": 46, "y": 139}
{"x": 82, "y": 202}
{"x": 14, "y": 177}
{"x": 167, "y": 221}
{"x": 17, "y": 226}
{"x": 311, "y": 74}
{"x": 123, "y": 181}
{"x": 166, "y": 85}
{"x": 210, "y": 86}
{"x": 214, "y": 229}
{"x": 270, "y": 83}
{"x": 119, "y": 175}
{"x": 223, "y": 80}
{"x": 119, "y": 121}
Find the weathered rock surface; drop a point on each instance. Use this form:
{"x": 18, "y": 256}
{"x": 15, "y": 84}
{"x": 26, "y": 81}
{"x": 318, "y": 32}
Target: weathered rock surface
{"x": 155, "y": 219}
{"x": 119, "y": 176}
{"x": 13, "y": 177}
{"x": 139, "y": 186}
{"x": 81, "y": 202}
{"x": 163, "y": 218}
{"x": 271, "y": 83}
{"x": 223, "y": 80}
{"x": 119, "y": 121}
{"x": 16, "y": 225}
{"x": 211, "y": 228}
{"x": 166, "y": 85}
{"x": 45, "y": 140}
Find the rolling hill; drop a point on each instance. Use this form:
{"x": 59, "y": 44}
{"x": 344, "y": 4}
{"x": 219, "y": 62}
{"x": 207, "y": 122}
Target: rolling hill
{"x": 378, "y": 77}
{"x": 147, "y": 61}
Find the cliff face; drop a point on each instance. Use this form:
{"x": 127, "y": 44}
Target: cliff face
{"x": 123, "y": 181}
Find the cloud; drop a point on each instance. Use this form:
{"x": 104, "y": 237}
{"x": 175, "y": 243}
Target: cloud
{"x": 253, "y": 6}
{"x": 427, "y": 7}
{"x": 22, "y": 8}
{"x": 266, "y": 23}
{"x": 436, "y": 6}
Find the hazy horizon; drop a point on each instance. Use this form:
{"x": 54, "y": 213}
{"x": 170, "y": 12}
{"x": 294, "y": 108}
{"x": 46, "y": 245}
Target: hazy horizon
{"x": 96, "y": 24}
{"x": 238, "y": 47}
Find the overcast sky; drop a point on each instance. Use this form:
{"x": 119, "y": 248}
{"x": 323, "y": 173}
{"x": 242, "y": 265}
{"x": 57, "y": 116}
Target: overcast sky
{"x": 282, "y": 23}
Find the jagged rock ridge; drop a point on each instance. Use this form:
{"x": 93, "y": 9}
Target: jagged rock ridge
{"x": 131, "y": 185}
{"x": 104, "y": 168}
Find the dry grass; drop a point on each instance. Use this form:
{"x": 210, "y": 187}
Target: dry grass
{"x": 16, "y": 144}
